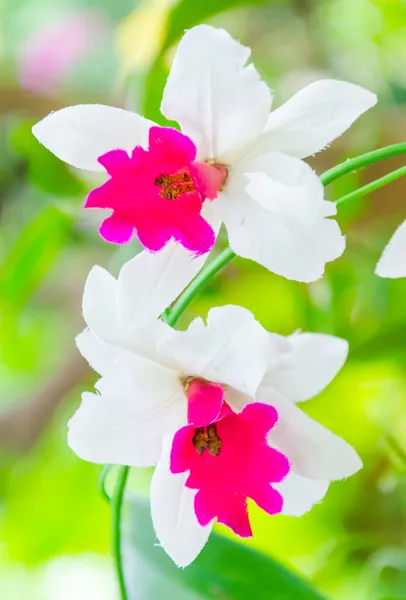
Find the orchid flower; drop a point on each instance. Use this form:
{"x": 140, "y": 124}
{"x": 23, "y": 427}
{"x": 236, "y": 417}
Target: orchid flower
{"x": 392, "y": 263}
{"x": 231, "y": 153}
{"x": 213, "y": 407}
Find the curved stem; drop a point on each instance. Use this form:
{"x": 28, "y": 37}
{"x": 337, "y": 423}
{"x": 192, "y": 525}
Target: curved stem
{"x": 102, "y": 483}
{"x": 352, "y": 164}
{"x": 116, "y": 508}
{"x": 207, "y": 273}
{"x": 374, "y": 185}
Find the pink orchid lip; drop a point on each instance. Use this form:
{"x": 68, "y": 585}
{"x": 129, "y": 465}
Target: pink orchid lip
{"x": 205, "y": 401}
{"x": 210, "y": 178}
{"x": 228, "y": 457}
{"x": 158, "y": 193}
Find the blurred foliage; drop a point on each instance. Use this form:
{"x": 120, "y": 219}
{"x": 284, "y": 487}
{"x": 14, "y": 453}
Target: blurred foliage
{"x": 352, "y": 546}
{"x": 225, "y": 570}
{"x": 44, "y": 169}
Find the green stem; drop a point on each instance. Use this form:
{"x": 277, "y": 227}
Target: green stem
{"x": 116, "y": 509}
{"x": 207, "y": 273}
{"x": 374, "y": 185}
{"x": 102, "y": 483}
{"x": 352, "y": 164}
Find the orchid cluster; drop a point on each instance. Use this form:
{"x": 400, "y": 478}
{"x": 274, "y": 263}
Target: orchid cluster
{"x": 213, "y": 408}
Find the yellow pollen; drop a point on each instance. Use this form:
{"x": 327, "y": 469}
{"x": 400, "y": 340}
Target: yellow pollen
{"x": 206, "y": 438}
{"x": 173, "y": 186}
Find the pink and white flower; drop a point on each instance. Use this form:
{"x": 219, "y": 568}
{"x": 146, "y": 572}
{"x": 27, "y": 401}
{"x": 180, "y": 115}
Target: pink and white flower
{"x": 213, "y": 407}
{"x": 392, "y": 263}
{"x": 161, "y": 179}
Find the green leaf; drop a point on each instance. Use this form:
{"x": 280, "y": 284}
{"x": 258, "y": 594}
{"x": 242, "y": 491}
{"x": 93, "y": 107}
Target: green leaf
{"x": 224, "y": 570}
{"x": 32, "y": 255}
{"x": 24, "y": 268}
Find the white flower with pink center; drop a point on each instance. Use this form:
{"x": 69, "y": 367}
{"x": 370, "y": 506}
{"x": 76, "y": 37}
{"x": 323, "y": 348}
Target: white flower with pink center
{"x": 213, "y": 407}
{"x": 392, "y": 263}
{"x": 232, "y": 153}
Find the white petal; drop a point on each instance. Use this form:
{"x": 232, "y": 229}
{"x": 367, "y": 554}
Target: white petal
{"x": 312, "y": 450}
{"x": 100, "y": 355}
{"x": 232, "y": 349}
{"x": 300, "y": 494}
{"x": 149, "y": 283}
{"x": 278, "y": 220}
{"x": 392, "y": 263}
{"x": 144, "y": 340}
{"x": 218, "y": 101}
{"x": 80, "y": 134}
{"x": 99, "y": 305}
{"x": 314, "y": 361}
{"x": 237, "y": 400}
{"x": 291, "y": 172}
{"x": 127, "y": 422}
{"x": 100, "y": 311}
{"x": 314, "y": 117}
{"x": 173, "y": 515}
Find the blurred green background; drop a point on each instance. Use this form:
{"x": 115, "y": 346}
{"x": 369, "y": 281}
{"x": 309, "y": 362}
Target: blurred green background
{"x": 54, "y": 527}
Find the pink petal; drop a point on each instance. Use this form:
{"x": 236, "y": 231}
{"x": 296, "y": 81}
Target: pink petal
{"x": 154, "y": 235}
{"x": 235, "y": 516}
{"x": 171, "y": 148}
{"x": 182, "y": 449}
{"x": 115, "y": 230}
{"x": 205, "y": 401}
{"x": 233, "y": 513}
{"x": 269, "y": 500}
{"x": 209, "y": 178}
{"x": 195, "y": 234}
{"x": 260, "y": 417}
{"x": 100, "y": 197}
{"x": 114, "y": 161}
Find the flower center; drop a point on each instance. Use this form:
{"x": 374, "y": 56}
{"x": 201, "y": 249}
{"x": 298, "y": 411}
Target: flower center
{"x": 141, "y": 184}
{"x": 228, "y": 459}
{"x": 173, "y": 186}
{"x": 206, "y": 438}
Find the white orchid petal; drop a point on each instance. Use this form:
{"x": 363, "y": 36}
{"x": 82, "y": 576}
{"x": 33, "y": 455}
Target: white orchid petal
{"x": 99, "y": 305}
{"x": 314, "y": 361}
{"x": 127, "y": 422}
{"x": 100, "y": 355}
{"x": 288, "y": 171}
{"x": 218, "y": 101}
{"x": 232, "y": 349}
{"x": 278, "y": 219}
{"x": 300, "y": 494}
{"x": 312, "y": 450}
{"x": 392, "y": 263}
{"x": 314, "y": 117}
{"x": 149, "y": 283}
{"x": 80, "y": 134}
{"x": 173, "y": 515}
